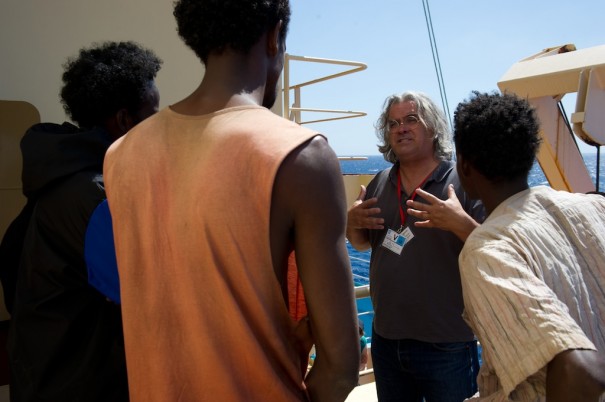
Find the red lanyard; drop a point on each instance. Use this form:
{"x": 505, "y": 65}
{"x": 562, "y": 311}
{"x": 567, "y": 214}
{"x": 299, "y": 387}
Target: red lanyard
{"x": 401, "y": 214}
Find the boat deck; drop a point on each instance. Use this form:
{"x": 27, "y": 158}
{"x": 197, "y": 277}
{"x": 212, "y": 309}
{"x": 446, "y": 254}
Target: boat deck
{"x": 361, "y": 393}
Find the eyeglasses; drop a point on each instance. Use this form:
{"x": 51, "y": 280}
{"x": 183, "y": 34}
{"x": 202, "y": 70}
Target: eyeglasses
{"x": 410, "y": 121}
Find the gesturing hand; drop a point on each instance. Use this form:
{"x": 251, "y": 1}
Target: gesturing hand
{"x": 363, "y": 214}
{"x": 443, "y": 214}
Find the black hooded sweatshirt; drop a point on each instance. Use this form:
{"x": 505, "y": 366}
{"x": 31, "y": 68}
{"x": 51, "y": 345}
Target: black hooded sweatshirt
{"x": 65, "y": 339}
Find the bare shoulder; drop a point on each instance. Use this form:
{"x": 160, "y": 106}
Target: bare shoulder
{"x": 312, "y": 161}
{"x": 314, "y": 154}
{"x": 309, "y": 179}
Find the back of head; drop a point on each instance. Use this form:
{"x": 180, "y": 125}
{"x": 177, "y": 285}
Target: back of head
{"x": 212, "y": 26}
{"x": 105, "y": 78}
{"x": 431, "y": 116}
{"x": 498, "y": 134}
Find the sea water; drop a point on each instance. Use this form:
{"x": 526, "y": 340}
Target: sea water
{"x": 360, "y": 261}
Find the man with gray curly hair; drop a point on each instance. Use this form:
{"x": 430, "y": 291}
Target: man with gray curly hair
{"x": 421, "y": 347}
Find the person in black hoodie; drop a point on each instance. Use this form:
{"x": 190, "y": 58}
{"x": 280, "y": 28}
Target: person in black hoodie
{"x": 65, "y": 338}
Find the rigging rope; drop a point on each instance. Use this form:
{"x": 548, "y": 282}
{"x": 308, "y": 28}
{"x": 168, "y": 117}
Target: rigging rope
{"x": 436, "y": 62}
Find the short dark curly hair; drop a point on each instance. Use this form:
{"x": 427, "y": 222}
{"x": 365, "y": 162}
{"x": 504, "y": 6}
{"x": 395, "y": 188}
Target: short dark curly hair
{"x": 209, "y": 26}
{"x": 105, "y": 78}
{"x": 498, "y": 134}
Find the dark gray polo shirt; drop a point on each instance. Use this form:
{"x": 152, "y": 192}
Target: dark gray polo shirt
{"x": 417, "y": 295}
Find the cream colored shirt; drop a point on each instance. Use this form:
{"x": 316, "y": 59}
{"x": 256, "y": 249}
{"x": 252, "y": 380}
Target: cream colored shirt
{"x": 534, "y": 286}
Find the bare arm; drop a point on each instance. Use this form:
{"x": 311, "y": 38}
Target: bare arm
{"x": 443, "y": 214}
{"x": 309, "y": 196}
{"x": 363, "y": 362}
{"x": 361, "y": 217}
{"x": 576, "y": 375}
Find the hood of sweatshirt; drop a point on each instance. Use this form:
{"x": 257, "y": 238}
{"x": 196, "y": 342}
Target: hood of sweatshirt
{"x": 52, "y": 152}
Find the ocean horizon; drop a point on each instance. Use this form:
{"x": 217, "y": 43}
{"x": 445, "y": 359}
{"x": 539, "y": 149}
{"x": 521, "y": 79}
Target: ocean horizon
{"x": 360, "y": 261}
{"x": 372, "y": 164}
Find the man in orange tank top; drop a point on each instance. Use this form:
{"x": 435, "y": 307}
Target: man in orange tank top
{"x": 208, "y": 202}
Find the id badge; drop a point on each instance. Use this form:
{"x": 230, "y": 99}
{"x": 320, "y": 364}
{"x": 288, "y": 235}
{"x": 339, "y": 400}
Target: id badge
{"x": 395, "y": 241}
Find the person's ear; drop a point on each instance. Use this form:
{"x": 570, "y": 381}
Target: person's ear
{"x": 464, "y": 167}
{"x": 273, "y": 39}
{"x": 124, "y": 121}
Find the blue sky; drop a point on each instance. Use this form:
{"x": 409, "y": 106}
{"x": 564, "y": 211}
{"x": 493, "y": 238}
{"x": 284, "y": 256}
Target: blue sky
{"x": 477, "y": 40}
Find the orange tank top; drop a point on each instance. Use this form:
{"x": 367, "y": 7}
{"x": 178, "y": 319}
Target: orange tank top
{"x": 204, "y": 315}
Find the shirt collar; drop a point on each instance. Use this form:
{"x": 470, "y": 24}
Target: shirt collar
{"x": 438, "y": 175}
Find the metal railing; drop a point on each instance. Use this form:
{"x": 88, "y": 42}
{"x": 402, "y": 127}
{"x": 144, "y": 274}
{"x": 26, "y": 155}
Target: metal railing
{"x": 293, "y": 112}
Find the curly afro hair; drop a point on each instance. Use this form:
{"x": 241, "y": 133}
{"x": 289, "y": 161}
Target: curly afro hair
{"x": 498, "y": 134}
{"x": 209, "y": 26}
{"x": 105, "y": 78}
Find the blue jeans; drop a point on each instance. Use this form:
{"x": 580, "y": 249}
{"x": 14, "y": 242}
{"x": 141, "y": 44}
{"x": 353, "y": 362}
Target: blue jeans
{"x": 409, "y": 370}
